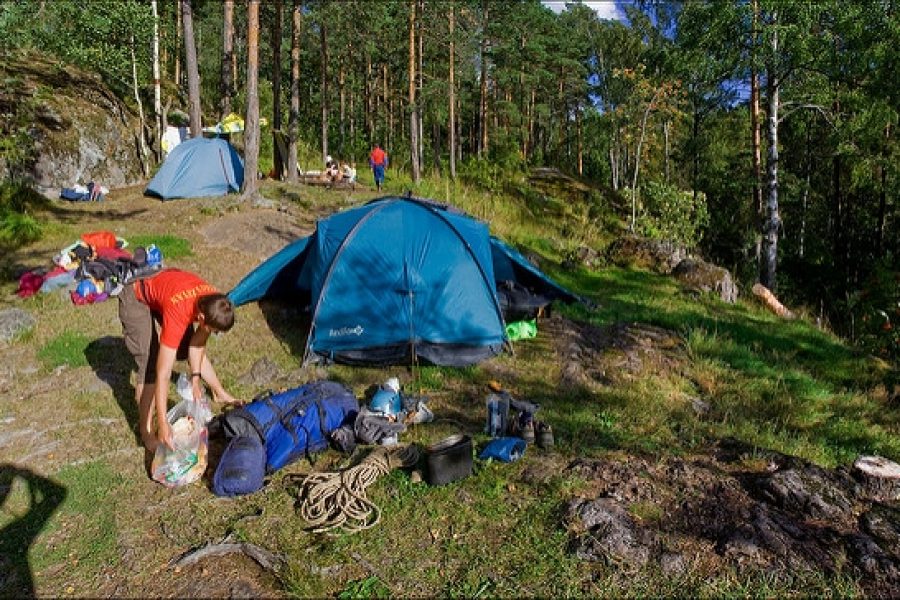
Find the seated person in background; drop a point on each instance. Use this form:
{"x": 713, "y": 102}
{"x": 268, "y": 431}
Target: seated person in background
{"x": 331, "y": 172}
{"x": 348, "y": 173}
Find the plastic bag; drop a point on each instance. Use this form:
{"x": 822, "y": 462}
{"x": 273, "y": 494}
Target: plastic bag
{"x": 187, "y": 461}
{"x": 186, "y": 393}
{"x": 521, "y": 330}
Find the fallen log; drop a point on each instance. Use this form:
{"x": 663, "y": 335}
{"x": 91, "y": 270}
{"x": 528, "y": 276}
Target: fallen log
{"x": 771, "y": 302}
{"x": 878, "y": 477}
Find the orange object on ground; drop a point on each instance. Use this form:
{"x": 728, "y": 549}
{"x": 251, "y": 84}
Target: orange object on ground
{"x": 99, "y": 239}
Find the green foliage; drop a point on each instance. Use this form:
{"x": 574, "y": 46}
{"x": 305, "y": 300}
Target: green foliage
{"x": 17, "y": 227}
{"x": 171, "y": 246}
{"x": 876, "y": 313}
{"x": 667, "y": 213}
{"x": 68, "y": 348}
{"x": 97, "y": 35}
{"x": 488, "y": 175}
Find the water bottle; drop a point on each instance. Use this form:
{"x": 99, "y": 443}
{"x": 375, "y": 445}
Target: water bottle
{"x": 494, "y": 425}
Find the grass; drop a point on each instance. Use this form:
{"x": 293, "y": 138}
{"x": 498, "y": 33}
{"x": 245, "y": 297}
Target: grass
{"x": 779, "y": 385}
{"x": 67, "y": 348}
{"x": 172, "y": 247}
{"x": 90, "y": 508}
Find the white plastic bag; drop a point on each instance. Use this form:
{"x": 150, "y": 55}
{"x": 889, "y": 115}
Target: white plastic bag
{"x": 204, "y": 411}
{"x": 187, "y": 461}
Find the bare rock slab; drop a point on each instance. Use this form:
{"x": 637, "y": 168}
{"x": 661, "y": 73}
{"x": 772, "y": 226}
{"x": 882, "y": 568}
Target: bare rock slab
{"x": 14, "y": 322}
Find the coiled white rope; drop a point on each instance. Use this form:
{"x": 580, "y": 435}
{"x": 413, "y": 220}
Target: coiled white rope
{"x": 334, "y": 500}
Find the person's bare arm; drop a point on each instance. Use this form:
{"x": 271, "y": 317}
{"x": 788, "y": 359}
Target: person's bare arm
{"x": 196, "y": 358}
{"x": 164, "y": 362}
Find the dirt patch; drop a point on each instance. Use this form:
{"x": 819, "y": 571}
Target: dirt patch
{"x": 257, "y": 232}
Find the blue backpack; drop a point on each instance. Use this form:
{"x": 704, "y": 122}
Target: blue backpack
{"x": 294, "y": 423}
{"x": 242, "y": 468}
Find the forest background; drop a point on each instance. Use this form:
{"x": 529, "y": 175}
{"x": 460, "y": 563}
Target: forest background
{"x": 760, "y": 133}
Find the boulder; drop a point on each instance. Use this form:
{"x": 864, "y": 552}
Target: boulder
{"x": 582, "y": 256}
{"x": 79, "y": 130}
{"x": 706, "y": 277}
{"x": 657, "y": 255}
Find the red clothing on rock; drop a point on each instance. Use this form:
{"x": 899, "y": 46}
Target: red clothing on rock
{"x": 173, "y": 295}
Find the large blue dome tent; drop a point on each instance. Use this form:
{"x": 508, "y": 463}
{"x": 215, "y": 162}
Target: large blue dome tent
{"x": 196, "y": 168}
{"x": 395, "y": 281}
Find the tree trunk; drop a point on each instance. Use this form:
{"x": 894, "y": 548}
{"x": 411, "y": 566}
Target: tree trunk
{"x": 190, "y": 63}
{"x": 529, "y": 139}
{"x": 413, "y": 112}
{"x": 323, "y": 44}
{"x": 482, "y": 104}
{"x": 452, "y": 90}
{"x": 157, "y": 86}
{"x": 294, "y": 115}
{"x": 279, "y": 159}
{"x": 178, "y": 42}
{"x": 251, "y": 126}
{"x": 342, "y": 100}
{"x": 226, "y": 85}
{"x": 140, "y": 105}
{"x": 580, "y": 149}
{"x": 666, "y": 149}
{"x": 805, "y": 200}
{"x": 695, "y": 159}
{"x": 882, "y": 197}
{"x": 637, "y": 162}
{"x": 755, "y": 124}
{"x": 369, "y": 106}
{"x": 388, "y": 105}
{"x": 773, "y": 220}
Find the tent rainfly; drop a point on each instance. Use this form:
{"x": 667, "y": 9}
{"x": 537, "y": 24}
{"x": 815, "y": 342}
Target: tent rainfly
{"x": 400, "y": 280}
{"x": 198, "y": 167}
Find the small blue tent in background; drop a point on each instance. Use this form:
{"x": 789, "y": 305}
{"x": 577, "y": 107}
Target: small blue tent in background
{"x": 198, "y": 167}
{"x": 397, "y": 280}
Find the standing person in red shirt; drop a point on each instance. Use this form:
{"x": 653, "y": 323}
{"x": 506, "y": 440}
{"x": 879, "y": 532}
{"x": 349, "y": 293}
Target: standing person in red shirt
{"x": 174, "y": 300}
{"x": 378, "y": 160}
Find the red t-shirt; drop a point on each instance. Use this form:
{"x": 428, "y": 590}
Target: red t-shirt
{"x": 377, "y": 157}
{"x": 173, "y": 295}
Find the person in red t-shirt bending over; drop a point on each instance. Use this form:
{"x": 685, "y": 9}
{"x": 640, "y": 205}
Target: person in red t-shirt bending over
{"x": 174, "y": 300}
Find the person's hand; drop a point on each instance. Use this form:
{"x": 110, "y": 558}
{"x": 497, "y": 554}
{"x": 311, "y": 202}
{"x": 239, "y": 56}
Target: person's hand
{"x": 226, "y": 398}
{"x": 164, "y": 434}
{"x": 196, "y": 390}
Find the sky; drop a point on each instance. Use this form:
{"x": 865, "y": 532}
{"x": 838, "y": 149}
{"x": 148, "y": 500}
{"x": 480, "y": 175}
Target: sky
{"x": 605, "y": 9}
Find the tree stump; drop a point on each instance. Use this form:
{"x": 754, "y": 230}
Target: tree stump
{"x": 879, "y": 478}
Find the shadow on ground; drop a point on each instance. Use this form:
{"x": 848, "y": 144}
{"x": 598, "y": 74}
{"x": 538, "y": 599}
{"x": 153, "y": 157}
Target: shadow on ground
{"x": 112, "y": 364}
{"x": 43, "y": 497}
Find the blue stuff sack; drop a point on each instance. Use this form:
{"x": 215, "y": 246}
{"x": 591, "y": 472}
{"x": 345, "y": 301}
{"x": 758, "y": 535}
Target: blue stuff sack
{"x": 506, "y": 449}
{"x": 154, "y": 255}
{"x": 294, "y": 423}
{"x": 242, "y": 467}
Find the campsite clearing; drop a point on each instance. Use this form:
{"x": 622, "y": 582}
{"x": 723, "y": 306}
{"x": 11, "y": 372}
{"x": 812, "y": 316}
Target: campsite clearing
{"x": 644, "y": 391}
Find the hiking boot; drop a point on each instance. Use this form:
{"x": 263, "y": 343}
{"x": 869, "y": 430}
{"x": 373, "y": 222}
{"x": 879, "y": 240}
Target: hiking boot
{"x": 422, "y": 414}
{"x": 544, "y": 435}
{"x": 526, "y": 431}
